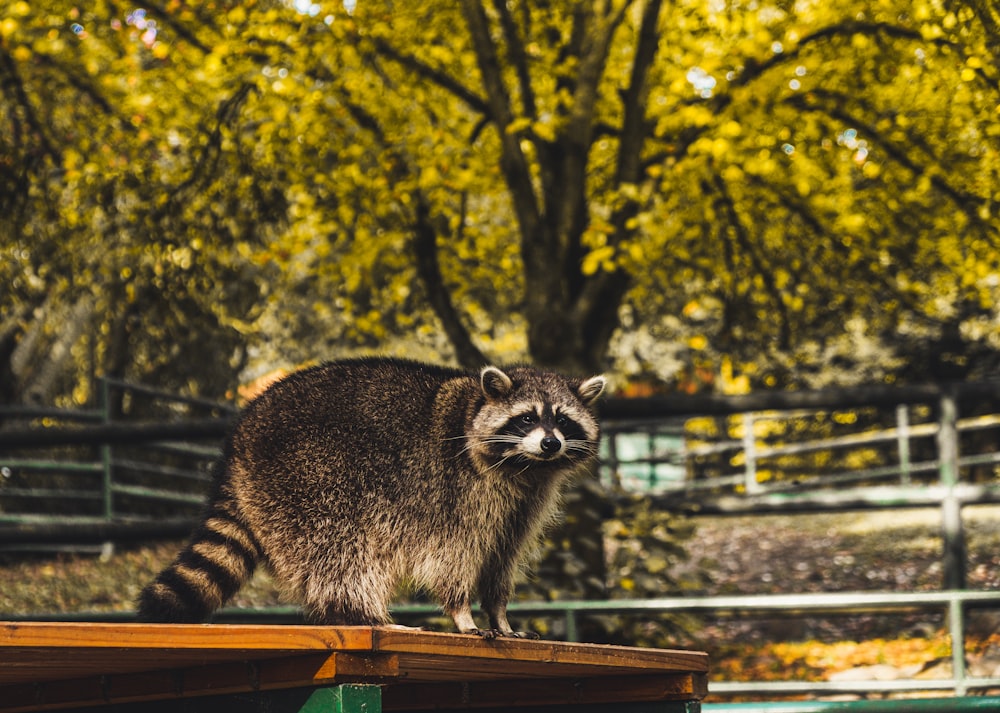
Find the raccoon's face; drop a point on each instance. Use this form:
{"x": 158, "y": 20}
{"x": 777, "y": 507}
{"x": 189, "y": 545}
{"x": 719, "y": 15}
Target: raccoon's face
{"x": 533, "y": 418}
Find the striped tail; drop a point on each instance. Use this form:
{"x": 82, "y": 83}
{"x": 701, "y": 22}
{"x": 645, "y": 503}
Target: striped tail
{"x": 219, "y": 559}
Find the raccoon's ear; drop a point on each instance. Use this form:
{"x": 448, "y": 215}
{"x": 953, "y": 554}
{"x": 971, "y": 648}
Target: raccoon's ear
{"x": 495, "y": 383}
{"x": 591, "y": 389}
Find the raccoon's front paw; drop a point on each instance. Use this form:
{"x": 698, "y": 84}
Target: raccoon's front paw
{"x": 491, "y": 634}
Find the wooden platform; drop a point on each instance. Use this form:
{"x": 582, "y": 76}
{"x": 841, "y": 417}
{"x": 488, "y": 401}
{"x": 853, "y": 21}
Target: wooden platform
{"x": 48, "y": 666}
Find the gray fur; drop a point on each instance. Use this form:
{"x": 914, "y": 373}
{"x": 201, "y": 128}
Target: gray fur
{"x": 348, "y": 478}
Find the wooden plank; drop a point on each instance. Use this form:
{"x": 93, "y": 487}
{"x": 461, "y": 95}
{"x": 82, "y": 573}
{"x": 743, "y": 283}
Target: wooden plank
{"x": 38, "y": 651}
{"x": 297, "y": 671}
{"x": 43, "y": 650}
{"x": 26, "y": 664}
{"x": 430, "y": 667}
{"x": 569, "y": 691}
{"x": 184, "y": 636}
{"x": 598, "y": 656}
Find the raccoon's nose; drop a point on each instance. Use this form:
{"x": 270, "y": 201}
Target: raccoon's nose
{"x": 550, "y": 444}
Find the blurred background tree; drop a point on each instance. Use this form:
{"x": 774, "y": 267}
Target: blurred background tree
{"x": 760, "y": 193}
{"x": 689, "y": 195}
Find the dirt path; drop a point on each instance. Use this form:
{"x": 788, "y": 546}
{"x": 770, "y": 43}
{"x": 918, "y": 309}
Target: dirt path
{"x": 859, "y": 551}
{"x": 863, "y": 551}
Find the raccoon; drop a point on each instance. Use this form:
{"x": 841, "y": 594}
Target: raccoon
{"x": 349, "y": 478}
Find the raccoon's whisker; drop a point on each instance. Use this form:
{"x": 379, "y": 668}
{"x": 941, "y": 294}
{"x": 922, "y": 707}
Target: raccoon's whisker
{"x": 515, "y": 457}
{"x": 512, "y": 456}
{"x": 467, "y": 447}
{"x": 581, "y": 446}
{"x": 499, "y": 463}
{"x": 522, "y": 471}
{"x": 471, "y": 442}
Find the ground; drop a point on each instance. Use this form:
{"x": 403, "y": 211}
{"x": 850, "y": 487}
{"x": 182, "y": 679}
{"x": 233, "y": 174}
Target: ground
{"x": 857, "y": 551}
{"x": 883, "y": 551}
{"x": 880, "y": 551}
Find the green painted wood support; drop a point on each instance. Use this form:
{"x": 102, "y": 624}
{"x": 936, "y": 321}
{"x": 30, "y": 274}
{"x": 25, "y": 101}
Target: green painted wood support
{"x": 359, "y": 698}
{"x": 346, "y": 698}
{"x": 970, "y": 704}
{"x": 107, "y": 479}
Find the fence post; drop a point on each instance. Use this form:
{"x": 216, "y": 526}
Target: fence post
{"x": 572, "y": 630}
{"x": 956, "y": 628}
{"x": 750, "y": 453}
{"x": 107, "y": 490}
{"x": 903, "y": 442}
{"x": 951, "y": 507}
{"x": 611, "y": 460}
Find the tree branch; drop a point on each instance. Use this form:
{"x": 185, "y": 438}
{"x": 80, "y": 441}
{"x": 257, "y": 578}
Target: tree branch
{"x": 435, "y": 76}
{"x": 179, "y": 27}
{"x": 968, "y": 203}
{"x": 513, "y": 163}
{"x": 752, "y": 70}
{"x": 988, "y": 15}
{"x": 565, "y": 173}
{"x": 227, "y": 112}
{"x": 426, "y": 254}
{"x": 742, "y": 238}
{"x": 80, "y": 84}
{"x": 517, "y": 57}
{"x": 425, "y": 251}
{"x": 678, "y": 145}
{"x": 602, "y": 293}
{"x": 12, "y": 82}
{"x": 633, "y": 134}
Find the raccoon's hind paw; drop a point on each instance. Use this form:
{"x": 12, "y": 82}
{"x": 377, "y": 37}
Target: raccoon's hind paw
{"x": 488, "y": 634}
{"x": 523, "y": 635}
{"x": 491, "y": 634}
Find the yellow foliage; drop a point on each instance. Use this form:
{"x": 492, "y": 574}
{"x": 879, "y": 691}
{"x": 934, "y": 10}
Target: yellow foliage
{"x": 731, "y": 129}
{"x": 815, "y": 660}
{"x": 598, "y": 259}
{"x": 698, "y": 342}
{"x": 778, "y": 143}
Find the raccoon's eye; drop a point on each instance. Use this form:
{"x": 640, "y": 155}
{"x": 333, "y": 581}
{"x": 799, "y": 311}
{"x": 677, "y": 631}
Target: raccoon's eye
{"x": 561, "y": 420}
{"x": 529, "y": 418}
